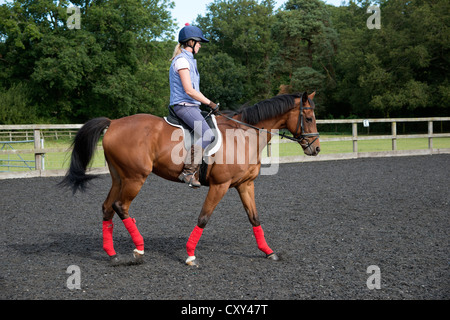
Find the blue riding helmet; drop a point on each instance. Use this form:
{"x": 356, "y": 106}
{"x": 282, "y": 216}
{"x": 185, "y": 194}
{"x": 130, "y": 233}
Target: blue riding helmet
{"x": 191, "y": 33}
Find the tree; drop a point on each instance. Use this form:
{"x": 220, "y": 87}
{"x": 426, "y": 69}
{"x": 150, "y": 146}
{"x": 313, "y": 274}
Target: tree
{"x": 15, "y": 105}
{"x": 117, "y": 63}
{"x": 99, "y": 69}
{"x": 241, "y": 30}
{"x": 398, "y": 70}
{"x": 306, "y": 45}
{"x": 222, "y": 79}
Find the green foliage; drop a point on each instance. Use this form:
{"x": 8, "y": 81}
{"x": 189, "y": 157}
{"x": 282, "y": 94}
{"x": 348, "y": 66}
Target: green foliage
{"x": 223, "y": 79}
{"x": 100, "y": 69}
{"x": 241, "y": 29}
{"x": 117, "y": 63}
{"x": 306, "y": 43}
{"x": 399, "y": 70}
{"x": 15, "y": 105}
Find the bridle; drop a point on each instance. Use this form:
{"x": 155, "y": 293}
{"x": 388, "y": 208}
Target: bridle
{"x": 300, "y": 125}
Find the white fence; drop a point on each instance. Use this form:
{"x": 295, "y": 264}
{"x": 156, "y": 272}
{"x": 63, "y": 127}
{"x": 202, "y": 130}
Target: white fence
{"x": 8, "y": 132}
{"x": 356, "y": 137}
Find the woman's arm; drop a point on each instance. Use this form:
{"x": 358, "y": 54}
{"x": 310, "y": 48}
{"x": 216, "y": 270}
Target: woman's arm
{"x": 190, "y": 91}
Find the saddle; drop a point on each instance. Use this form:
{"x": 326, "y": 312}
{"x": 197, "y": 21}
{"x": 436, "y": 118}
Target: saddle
{"x": 174, "y": 121}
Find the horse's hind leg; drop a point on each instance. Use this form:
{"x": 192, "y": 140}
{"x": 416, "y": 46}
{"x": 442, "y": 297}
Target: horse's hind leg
{"x": 122, "y": 192}
{"x": 128, "y": 191}
{"x": 108, "y": 213}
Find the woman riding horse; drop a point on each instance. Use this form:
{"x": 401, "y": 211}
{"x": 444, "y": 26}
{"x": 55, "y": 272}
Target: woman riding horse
{"x": 186, "y": 98}
{"x": 138, "y": 145}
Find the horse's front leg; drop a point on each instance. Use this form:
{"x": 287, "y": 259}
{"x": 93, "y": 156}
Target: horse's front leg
{"x": 247, "y": 193}
{"x": 215, "y": 194}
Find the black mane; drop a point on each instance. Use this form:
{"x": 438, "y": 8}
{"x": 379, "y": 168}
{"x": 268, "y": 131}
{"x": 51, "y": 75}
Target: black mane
{"x": 268, "y": 109}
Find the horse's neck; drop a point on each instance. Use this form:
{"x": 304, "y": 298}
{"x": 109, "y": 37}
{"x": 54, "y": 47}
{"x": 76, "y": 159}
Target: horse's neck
{"x": 273, "y": 124}
{"x": 269, "y": 124}
{"x": 266, "y": 129}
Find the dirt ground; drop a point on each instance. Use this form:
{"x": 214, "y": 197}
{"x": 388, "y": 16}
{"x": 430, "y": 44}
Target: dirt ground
{"x": 328, "y": 221}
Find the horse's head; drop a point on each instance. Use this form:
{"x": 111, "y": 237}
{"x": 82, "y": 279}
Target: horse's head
{"x": 302, "y": 124}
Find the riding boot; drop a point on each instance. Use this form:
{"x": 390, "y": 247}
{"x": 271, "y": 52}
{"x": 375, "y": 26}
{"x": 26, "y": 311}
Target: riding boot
{"x": 190, "y": 169}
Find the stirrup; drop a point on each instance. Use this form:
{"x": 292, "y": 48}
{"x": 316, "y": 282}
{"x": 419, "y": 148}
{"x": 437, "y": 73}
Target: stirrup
{"x": 184, "y": 177}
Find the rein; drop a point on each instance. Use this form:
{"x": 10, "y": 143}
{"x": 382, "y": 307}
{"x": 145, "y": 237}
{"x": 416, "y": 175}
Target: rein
{"x": 300, "y": 124}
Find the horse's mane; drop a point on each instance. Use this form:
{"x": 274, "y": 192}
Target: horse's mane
{"x": 268, "y": 109}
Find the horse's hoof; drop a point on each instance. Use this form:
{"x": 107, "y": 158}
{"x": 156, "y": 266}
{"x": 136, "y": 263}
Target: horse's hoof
{"x": 138, "y": 256}
{"x": 192, "y": 261}
{"x": 273, "y": 256}
{"x": 114, "y": 260}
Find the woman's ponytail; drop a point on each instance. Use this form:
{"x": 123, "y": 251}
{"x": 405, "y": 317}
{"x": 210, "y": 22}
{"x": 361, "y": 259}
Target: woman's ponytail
{"x": 177, "y": 51}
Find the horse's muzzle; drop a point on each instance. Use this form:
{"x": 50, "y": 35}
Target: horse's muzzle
{"x": 310, "y": 149}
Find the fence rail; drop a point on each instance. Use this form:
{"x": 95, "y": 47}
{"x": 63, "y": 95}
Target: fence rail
{"x": 356, "y": 137}
{"x": 39, "y": 151}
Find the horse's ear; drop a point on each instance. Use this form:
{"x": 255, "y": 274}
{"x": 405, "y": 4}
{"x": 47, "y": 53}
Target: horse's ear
{"x": 311, "y": 96}
{"x": 305, "y": 96}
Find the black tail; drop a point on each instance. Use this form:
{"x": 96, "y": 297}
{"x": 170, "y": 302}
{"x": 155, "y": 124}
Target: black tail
{"x": 83, "y": 148}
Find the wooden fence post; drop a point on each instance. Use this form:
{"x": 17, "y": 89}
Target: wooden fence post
{"x": 269, "y": 149}
{"x": 355, "y": 136}
{"x": 430, "y": 136}
{"x": 37, "y": 145}
{"x": 394, "y": 135}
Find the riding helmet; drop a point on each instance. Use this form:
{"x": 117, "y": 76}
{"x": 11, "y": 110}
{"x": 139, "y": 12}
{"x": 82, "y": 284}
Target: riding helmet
{"x": 191, "y": 33}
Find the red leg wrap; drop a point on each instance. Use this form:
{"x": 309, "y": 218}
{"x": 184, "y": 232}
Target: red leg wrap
{"x": 130, "y": 224}
{"x": 262, "y": 244}
{"x": 193, "y": 240}
{"x": 108, "y": 246}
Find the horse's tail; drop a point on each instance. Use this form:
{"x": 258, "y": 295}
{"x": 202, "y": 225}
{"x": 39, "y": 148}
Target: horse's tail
{"x": 83, "y": 149}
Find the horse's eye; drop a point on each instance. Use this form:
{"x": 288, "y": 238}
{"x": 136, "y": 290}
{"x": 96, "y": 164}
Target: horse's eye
{"x": 309, "y": 120}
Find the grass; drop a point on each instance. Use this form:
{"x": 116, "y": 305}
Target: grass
{"x": 329, "y": 147}
{"x": 61, "y": 160}
{"x": 52, "y": 161}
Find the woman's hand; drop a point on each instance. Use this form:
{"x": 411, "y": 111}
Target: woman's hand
{"x": 214, "y": 107}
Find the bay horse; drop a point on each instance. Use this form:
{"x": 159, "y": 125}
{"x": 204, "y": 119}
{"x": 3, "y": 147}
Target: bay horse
{"x": 135, "y": 146}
